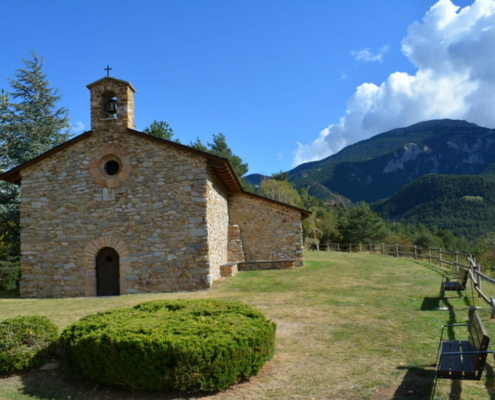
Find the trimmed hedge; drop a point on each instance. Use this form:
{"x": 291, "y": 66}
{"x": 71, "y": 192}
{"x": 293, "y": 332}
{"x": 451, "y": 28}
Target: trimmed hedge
{"x": 170, "y": 344}
{"x": 26, "y": 342}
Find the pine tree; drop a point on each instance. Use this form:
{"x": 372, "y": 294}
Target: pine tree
{"x": 361, "y": 225}
{"x": 30, "y": 124}
{"x": 34, "y": 124}
{"x": 161, "y": 130}
{"x": 220, "y": 148}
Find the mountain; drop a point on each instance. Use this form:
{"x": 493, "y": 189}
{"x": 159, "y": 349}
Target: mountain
{"x": 464, "y": 204}
{"x": 255, "y": 179}
{"x": 376, "y": 168}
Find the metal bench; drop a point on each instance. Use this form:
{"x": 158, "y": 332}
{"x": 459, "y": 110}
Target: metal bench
{"x": 458, "y": 283}
{"x": 464, "y": 359}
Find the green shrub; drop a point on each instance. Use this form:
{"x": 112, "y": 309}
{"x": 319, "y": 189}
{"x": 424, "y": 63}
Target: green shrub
{"x": 178, "y": 344}
{"x": 26, "y": 342}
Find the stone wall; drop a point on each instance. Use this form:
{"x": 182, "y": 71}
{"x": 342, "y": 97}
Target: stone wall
{"x": 217, "y": 222}
{"x": 156, "y": 218}
{"x": 269, "y": 231}
{"x": 235, "y": 249}
{"x": 266, "y": 265}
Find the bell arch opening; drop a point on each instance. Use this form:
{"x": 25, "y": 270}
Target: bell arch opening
{"x": 109, "y": 104}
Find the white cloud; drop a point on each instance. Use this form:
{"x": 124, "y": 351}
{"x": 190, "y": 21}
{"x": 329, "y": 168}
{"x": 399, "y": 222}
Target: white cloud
{"x": 367, "y": 55}
{"x": 452, "y": 49}
{"x": 78, "y": 127}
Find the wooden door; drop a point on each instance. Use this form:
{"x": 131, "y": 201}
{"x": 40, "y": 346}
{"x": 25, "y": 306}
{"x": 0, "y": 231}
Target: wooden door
{"x": 107, "y": 273}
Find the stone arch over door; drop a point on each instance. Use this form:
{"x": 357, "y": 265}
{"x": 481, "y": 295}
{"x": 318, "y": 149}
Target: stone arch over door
{"x": 91, "y": 251}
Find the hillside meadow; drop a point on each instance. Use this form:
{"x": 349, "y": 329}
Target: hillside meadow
{"x": 349, "y": 326}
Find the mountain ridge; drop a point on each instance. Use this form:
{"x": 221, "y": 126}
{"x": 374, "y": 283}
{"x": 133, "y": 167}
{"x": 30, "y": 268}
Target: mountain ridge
{"x": 377, "y": 167}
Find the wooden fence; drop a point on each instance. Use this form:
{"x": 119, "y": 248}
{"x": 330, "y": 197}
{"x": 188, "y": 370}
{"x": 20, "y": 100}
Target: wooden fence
{"x": 455, "y": 260}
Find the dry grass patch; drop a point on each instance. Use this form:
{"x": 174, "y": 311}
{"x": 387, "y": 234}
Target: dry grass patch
{"x": 350, "y": 326}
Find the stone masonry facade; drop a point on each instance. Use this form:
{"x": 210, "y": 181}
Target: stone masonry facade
{"x": 269, "y": 230}
{"x": 164, "y": 210}
{"x": 159, "y": 214}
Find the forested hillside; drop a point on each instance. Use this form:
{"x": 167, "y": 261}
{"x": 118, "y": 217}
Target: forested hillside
{"x": 463, "y": 204}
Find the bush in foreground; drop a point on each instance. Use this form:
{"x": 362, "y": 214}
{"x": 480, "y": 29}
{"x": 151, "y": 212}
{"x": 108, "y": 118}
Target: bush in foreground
{"x": 170, "y": 344}
{"x": 26, "y": 342}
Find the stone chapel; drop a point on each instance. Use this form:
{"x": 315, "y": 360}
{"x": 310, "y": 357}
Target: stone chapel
{"x": 116, "y": 211}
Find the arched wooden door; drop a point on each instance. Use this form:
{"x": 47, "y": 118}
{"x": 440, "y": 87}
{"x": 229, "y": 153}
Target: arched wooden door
{"x": 107, "y": 273}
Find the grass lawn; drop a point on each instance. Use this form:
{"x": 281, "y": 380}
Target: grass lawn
{"x": 349, "y": 326}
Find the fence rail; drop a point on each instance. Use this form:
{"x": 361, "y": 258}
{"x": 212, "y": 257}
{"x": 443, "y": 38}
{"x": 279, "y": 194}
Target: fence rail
{"x": 456, "y": 260}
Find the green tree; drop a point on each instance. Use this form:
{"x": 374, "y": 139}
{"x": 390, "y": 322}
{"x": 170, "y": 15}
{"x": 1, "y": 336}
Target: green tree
{"x": 30, "y": 124}
{"x": 162, "y": 130}
{"x": 220, "y": 148}
{"x": 280, "y": 176}
{"x": 484, "y": 250}
{"x": 198, "y": 145}
{"x": 310, "y": 228}
{"x": 282, "y": 191}
{"x": 361, "y": 225}
{"x": 326, "y": 223}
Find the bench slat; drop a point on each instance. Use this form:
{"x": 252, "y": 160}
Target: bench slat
{"x": 467, "y": 359}
{"x": 444, "y": 365}
{"x": 452, "y": 285}
{"x": 455, "y": 359}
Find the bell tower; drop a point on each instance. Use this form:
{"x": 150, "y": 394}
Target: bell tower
{"x": 112, "y": 104}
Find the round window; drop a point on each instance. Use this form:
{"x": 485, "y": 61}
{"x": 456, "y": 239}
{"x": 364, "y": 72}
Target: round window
{"x": 112, "y": 167}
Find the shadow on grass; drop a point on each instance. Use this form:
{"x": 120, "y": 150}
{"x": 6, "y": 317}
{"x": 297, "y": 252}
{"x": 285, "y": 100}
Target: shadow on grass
{"x": 417, "y": 384}
{"x": 430, "y": 303}
{"x": 59, "y": 385}
{"x": 490, "y": 381}
{"x": 10, "y": 294}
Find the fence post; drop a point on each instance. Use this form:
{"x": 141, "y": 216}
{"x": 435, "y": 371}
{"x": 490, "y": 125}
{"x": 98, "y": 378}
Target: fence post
{"x": 350, "y": 248}
{"x": 440, "y": 257}
{"x": 492, "y": 299}
{"x": 383, "y": 249}
{"x": 478, "y": 278}
{"x": 429, "y": 255}
{"x": 397, "y": 250}
{"x": 456, "y": 261}
{"x": 415, "y": 253}
{"x": 338, "y": 246}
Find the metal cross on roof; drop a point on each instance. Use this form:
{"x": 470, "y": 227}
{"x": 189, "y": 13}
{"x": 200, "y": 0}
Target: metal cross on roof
{"x": 108, "y": 70}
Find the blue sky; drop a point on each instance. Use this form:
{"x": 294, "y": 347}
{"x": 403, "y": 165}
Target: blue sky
{"x": 285, "y": 81}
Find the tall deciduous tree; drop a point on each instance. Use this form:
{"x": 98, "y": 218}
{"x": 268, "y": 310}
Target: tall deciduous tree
{"x": 30, "y": 124}
{"x": 280, "y": 190}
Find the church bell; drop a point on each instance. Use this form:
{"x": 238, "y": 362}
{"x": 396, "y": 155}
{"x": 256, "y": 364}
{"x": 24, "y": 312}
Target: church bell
{"x": 111, "y": 106}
